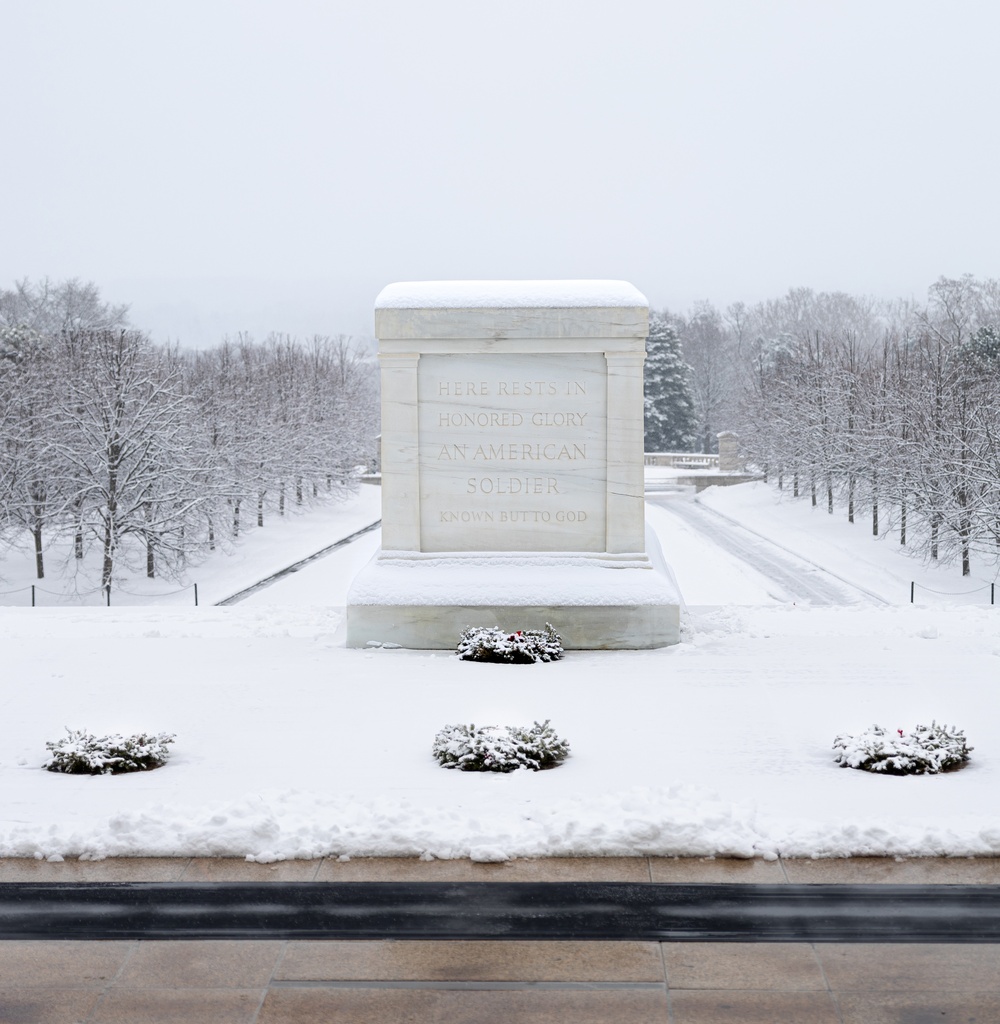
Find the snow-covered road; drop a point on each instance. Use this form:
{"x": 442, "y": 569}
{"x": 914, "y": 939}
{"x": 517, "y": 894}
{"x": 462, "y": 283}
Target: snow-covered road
{"x": 297, "y": 566}
{"x": 791, "y": 578}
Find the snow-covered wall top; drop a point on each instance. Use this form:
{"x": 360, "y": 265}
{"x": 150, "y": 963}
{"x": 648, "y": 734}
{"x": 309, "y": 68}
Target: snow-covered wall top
{"x": 508, "y": 294}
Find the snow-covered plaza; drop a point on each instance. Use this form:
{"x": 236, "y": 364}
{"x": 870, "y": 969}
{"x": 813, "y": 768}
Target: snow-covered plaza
{"x": 290, "y": 745}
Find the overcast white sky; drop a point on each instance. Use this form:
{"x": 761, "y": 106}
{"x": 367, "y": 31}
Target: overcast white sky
{"x": 255, "y": 165}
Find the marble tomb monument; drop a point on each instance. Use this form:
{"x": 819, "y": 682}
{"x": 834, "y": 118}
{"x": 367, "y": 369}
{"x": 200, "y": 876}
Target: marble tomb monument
{"x": 512, "y": 468}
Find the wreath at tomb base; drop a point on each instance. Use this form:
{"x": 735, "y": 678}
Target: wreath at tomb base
{"x": 82, "y": 753}
{"x": 927, "y": 750}
{"x": 522, "y": 647}
{"x": 499, "y": 748}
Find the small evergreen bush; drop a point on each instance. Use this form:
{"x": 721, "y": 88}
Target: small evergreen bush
{"x": 82, "y": 753}
{"x": 927, "y": 750}
{"x": 488, "y": 643}
{"x": 499, "y": 748}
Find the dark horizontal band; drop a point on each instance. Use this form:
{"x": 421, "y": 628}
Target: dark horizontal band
{"x": 493, "y": 910}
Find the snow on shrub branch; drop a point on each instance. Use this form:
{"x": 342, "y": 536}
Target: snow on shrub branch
{"x": 927, "y": 750}
{"x": 488, "y": 643}
{"x": 82, "y": 753}
{"x": 499, "y": 748}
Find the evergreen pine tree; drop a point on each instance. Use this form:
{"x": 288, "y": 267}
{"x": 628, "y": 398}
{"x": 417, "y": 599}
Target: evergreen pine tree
{"x": 670, "y": 418}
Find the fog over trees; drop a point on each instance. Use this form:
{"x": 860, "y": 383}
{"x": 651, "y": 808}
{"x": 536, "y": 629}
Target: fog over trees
{"x": 153, "y": 456}
{"x": 885, "y": 411}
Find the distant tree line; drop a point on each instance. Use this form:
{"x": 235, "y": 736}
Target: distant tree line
{"x": 885, "y": 409}
{"x": 157, "y": 456}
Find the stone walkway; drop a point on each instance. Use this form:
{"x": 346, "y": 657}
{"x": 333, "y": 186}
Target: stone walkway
{"x": 375, "y": 982}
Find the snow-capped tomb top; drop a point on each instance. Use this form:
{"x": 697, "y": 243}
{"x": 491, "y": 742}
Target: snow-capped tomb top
{"x": 508, "y": 294}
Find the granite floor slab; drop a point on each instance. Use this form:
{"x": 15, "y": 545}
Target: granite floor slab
{"x": 845, "y": 871}
{"x": 779, "y": 966}
{"x": 472, "y": 961}
{"x": 280, "y": 982}
{"x": 755, "y": 1007}
{"x": 178, "y": 1005}
{"x": 888, "y": 871}
{"x": 671, "y": 983}
{"x": 47, "y": 1005}
{"x": 544, "y": 869}
{"x": 449, "y": 1006}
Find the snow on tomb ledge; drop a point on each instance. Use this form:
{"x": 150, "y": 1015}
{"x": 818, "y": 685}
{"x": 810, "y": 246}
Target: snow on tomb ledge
{"x": 509, "y": 295}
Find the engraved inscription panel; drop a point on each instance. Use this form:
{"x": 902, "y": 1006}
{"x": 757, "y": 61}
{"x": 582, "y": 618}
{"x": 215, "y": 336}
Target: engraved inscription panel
{"x": 513, "y": 452}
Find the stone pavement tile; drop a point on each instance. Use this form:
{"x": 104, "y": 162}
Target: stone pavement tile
{"x": 234, "y": 869}
{"x": 178, "y": 1006}
{"x": 692, "y": 870}
{"x": 543, "y": 869}
{"x": 736, "y": 1007}
{"x": 46, "y": 1005}
{"x": 889, "y": 871}
{"x": 777, "y": 967}
{"x": 115, "y": 869}
{"x": 904, "y": 967}
{"x": 203, "y": 964}
{"x": 919, "y": 1007}
{"x": 396, "y": 960}
{"x": 51, "y": 963}
{"x": 436, "y": 1006}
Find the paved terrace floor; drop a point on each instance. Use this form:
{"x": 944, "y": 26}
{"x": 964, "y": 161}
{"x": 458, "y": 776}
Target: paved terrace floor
{"x": 384, "y": 982}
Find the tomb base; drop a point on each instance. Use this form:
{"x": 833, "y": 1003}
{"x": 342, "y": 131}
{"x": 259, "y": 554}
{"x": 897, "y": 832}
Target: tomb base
{"x": 594, "y": 601}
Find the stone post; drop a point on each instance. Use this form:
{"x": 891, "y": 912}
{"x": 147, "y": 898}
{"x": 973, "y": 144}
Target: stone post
{"x": 729, "y": 456}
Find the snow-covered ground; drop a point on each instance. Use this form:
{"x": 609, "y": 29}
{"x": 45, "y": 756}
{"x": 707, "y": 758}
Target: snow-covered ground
{"x": 260, "y": 552}
{"x": 291, "y": 745}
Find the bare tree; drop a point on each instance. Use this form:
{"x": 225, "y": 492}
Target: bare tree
{"x": 124, "y": 438}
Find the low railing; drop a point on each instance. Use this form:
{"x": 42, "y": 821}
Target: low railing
{"x": 682, "y": 460}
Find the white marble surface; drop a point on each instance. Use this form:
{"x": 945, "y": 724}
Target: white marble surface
{"x": 512, "y": 422}
{"x": 604, "y": 627}
{"x": 508, "y": 328}
{"x": 513, "y": 452}
{"x": 508, "y": 294}
{"x": 491, "y": 580}
{"x": 512, "y": 427}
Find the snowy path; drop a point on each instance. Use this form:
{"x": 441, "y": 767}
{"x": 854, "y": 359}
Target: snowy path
{"x": 323, "y": 582}
{"x": 796, "y": 579}
{"x": 281, "y": 574}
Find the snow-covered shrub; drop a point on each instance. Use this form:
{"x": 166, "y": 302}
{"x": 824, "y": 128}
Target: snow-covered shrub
{"x": 925, "y": 751}
{"x": 82, "y": 753}
{"x": 499, "y": 748}
{"x": 488, "y": 643}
